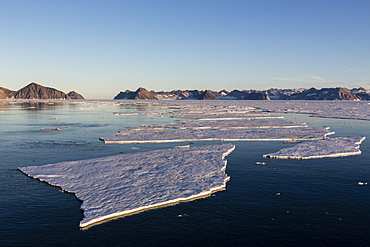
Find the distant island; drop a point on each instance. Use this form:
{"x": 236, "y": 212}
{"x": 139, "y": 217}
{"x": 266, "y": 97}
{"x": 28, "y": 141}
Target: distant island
{"x": 36, "y": 91}
{"x": 338, "y": 93}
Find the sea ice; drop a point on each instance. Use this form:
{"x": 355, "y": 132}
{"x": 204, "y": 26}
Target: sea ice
{"x": 136, "y": 113}
{"x": 115, "y": 186}
{"x": 332, "y": 147}
{"x": 53, "y": 129}
{"x": 327, "y": 109}
{"x": 210, "y": 110}
{"x": 231, "y": 124}
{"x": 157, "y": 135}
{"x": 226, "y": 116}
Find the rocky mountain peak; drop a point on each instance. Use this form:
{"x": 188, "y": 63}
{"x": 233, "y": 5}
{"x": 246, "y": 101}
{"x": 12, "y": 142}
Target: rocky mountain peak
{"x": 140, "y": 93}
{"x": 207, "y": 95}
{"x": 75, "y": 95}
{"x": 5, "y": 93}
{"x": 36, "y": 91}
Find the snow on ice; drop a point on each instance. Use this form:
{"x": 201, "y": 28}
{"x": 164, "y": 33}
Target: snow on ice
{"x": 116, "y": 186}
{"x": 157, "y": 135}
{"x": 231, "y": 124}
{"x": 332, "y": 147}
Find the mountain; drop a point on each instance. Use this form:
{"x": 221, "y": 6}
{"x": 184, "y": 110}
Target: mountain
{"x": 222, "y": 93}
{"x": 140, "y": 93}
{"x": 362, "y": 93}
{"x": 359, "y": 90}
{"x": 207, "y": 95}
{"x": 240, "y": 95}
{"x": 5, "y": 93}
{"x": 36, "y": 91}
{"x": 75, "y": 95}
{"x": 191, "y": 94}
{"x": 338, "y": 93}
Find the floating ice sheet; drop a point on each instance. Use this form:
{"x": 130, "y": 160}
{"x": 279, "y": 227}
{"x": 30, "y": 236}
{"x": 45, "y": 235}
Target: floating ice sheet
{"x": 225, "y": 116}
{"x": 136, "y": 113}
{"x": 332, "y": 147}
{"x": 231, "y": 124}
{"x": 157, "y": 135}
{"x": 116, "y": 186}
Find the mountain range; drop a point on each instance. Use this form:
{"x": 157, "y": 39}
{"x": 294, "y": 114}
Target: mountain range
{"x": 338, "y": 93}
{"x": 36, "y": 91}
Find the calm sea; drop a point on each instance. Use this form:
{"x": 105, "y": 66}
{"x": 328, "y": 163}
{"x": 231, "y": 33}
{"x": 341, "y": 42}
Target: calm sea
{"x": 320, "y": 201}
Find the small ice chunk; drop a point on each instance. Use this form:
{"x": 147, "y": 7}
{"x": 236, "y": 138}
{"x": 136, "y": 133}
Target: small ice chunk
{"x": 53, "y": 129}
{"x": 332, "y": 147}
{"x": 115, "y": 186}
{"x": 184, "y": 146}
{"x": 362, "y": 183}
{"x": 125, "y": 113}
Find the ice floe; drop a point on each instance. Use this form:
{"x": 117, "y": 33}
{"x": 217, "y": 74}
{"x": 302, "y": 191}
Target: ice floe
{"x": 226, "y": 116}
{"x": 115, "y": 186}
{"x": 136, "y": 113}
{"x": 53, "y": 129}
{"x": 332, "y": 147}
{"x": 158, "y": 135}
{"x": 260, "y": 163}
{"x": 231, "y": 124}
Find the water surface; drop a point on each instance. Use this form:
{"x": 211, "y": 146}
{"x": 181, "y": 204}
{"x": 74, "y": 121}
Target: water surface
{"x": 320, "y": 202}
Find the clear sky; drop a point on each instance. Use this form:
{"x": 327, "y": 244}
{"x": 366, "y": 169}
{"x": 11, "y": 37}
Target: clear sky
{"x": 99, "y": 48}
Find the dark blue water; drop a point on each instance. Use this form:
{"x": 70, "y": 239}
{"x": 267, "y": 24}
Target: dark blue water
{"x": 320, "y": 202}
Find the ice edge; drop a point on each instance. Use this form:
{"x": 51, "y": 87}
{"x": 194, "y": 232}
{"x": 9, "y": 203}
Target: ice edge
{"x": 320, "y": 156}
{"x": 103, "y": 219}
{"x": 215, "y": 139}
{"x": 100, "y": 220}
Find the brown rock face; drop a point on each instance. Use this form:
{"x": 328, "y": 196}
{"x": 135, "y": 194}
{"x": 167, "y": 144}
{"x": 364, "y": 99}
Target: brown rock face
{"x": 36, "y": 91}
{"x": 239, "y": 95}
{"x": 140, "y": 93}
{"x": 346, "y": 94}
{"x": 338, "y": 93}
{"x": 207, "y": 95}
{"x": 75, "y": 95}
{"x": 5, "y": 93}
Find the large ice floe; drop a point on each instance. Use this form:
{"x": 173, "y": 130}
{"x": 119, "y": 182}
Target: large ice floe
{"x": 158, "y": 135}
{"x": 333, "y": 147}
{"x": 115, "y": 186}
{"x": 231, "y": 124}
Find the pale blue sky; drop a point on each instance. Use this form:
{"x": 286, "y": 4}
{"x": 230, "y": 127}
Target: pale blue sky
{"x": 99, "y": 48}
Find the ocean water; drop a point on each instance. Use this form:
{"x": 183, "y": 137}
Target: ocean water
{"x": 320, "y": 202}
